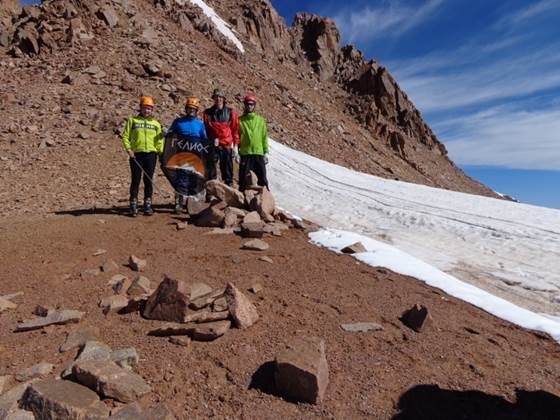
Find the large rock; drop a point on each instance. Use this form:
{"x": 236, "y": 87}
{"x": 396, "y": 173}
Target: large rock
{"x": 213, "y": 216}
{"x": 55, "y": 399}
{"x": 169, "y": 302}
{"x": 417, "y": 318}
{"x": 110, "y": 380}
{"x": 113, "y": 304}
{"x": 264, "y": 204}
{"x": 40, "y": 370}
{"x": 79, "y": 337}
{"x": 301, "y": 372}
{"x": 355, "y": 248}
{"x": 253, "y": 230}
{"x": 206, "y": 300}
{"x": 225, "y": 193}
{"x": 243, "y": 312}
{"x": 140, "y": 286}
{"x": 54, "y": 318}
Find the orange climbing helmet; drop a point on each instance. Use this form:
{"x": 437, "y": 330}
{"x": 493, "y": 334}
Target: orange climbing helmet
{"x": 193, "y": 102}
{"x": 147, "y": 101}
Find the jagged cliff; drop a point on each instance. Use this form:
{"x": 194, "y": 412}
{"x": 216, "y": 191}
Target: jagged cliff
{"x": 319, "y": 97}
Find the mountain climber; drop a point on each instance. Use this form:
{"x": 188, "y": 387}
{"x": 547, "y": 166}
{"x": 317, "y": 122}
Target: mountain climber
{"x": 253, "y": 144}
{"x": 143, "y": 141}
{"x": 222, "y": 124}
{"x": 190, "y": 126}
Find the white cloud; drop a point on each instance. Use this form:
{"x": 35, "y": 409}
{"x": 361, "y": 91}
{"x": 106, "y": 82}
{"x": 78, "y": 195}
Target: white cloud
{"x": 505, "y": 137}
{"x": 390, "y": 20}
{"x": 523, "y": 15}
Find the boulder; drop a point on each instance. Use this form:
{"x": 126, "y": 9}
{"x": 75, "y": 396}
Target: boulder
{"x": 225, "y": 193}
{"x": 110, "y": 380}
{"x": 354, "y": 248}
{"x": 417, "y": 318}
{"x": 206, "y": 300}
{"x": 140, "y": 286}
{"x": 199, "y": 290}
{"x": 255, "y": 245}
{"x": 113, "y": 304}
{"x": 126, "y": 358}
{"x": 136, "y": 264}
{"x": 55, "y": 399}
{"x": 253, "y": 230}
{"x": 169, "y": 302}
{"x": 196, "y": 206}
{"x": 212, "y": 216}
{"x": 264, "y": 204}
{"x": 38, "y": 371}
{"x": 53, "y": 318}
{"x": 109, "y": 16}
{"x": 79, "y": 337}
{"x": 243, "y": 312}
{"x": 109, "y": 266}
{"x": 301, "y": 371}
{"x": 209, "y": 331}
{"x": 252, "y": 217}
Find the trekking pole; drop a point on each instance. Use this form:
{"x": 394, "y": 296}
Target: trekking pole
{"x": 152, "y": 180}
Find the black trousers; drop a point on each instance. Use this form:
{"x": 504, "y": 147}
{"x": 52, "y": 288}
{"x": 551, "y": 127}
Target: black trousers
{"x": 253, "y": 163}
{"x": 225, "y": 157}
{"x": 146, "y": 162}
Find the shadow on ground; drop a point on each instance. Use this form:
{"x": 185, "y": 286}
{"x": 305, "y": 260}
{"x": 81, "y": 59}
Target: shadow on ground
{"x": 115, "y": 210}
{"x": 430, "y": 402}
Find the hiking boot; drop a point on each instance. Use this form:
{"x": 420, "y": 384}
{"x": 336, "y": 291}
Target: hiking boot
{"x": 179, "y": 202}
{"x": 134, "y": 207}
{"x": 148, "y": 210}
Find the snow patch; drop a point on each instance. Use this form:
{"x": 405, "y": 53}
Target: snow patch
{"x": 220, "y": 24}
{"x": 380, "y": 254}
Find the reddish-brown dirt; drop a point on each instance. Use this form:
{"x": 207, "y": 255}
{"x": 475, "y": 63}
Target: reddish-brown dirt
{"x": 484, "y": 367}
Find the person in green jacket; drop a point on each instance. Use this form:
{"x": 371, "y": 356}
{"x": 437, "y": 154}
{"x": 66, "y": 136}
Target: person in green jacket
{"x": 143, "y": 141}
{"x": 253, "y": 144}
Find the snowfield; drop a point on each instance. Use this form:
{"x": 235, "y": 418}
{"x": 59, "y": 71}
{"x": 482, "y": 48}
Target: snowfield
{"x": 510, "y": 250}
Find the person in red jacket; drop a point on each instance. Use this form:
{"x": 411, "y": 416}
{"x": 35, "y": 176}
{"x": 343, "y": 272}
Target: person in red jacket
{"x": 222, "y": 126}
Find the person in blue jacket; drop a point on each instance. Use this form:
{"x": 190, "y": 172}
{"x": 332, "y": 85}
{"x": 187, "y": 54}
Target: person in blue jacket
{"x": 190, "y": 126}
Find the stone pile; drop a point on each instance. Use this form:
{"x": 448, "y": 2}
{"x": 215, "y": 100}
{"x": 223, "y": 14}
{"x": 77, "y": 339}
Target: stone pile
{"x": 251, "y": 214}
{"x": 204, "y": 315}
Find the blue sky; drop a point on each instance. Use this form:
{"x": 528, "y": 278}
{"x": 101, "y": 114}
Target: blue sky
{"x": 485, "y": 75}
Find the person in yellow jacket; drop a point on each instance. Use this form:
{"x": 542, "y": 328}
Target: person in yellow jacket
{"x": 143, "y": 141}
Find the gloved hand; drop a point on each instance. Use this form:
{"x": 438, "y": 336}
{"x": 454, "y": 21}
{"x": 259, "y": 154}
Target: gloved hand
{"x": 266, "y": 159}
{"x": 216, "y": 142}
{"x": 236, "y": 153}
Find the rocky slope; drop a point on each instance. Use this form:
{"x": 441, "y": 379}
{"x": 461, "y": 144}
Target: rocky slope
{"x": 73, "y": 70}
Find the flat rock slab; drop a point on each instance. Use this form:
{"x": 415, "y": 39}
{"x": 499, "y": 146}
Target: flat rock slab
{"x": 40, "y": 370}
{"x": 206, "y": 316}
{"x": 6, "y": 305}
{"x": 361, "y": 327}
{"x": 206, "y": 300}
{"x": 135, "y": 412}
{"x": 79, "y": 337}
{"x": 255, "y": 245}
{"x": 301, "y": 372}
{"x": 243, "y": 312}
{"x": 54, "y": 318}
{"x": 169, "y": 302}
{"x": 110, "y": 380}
{"x": 199, "y": 290}
{"x": 210, "y": 331}
{"x": 354, "y": 248}
{"x": 56, "y": 399}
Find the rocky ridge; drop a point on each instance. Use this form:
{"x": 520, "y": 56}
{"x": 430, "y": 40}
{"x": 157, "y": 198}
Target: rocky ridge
{"x": 73, "y": 70}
